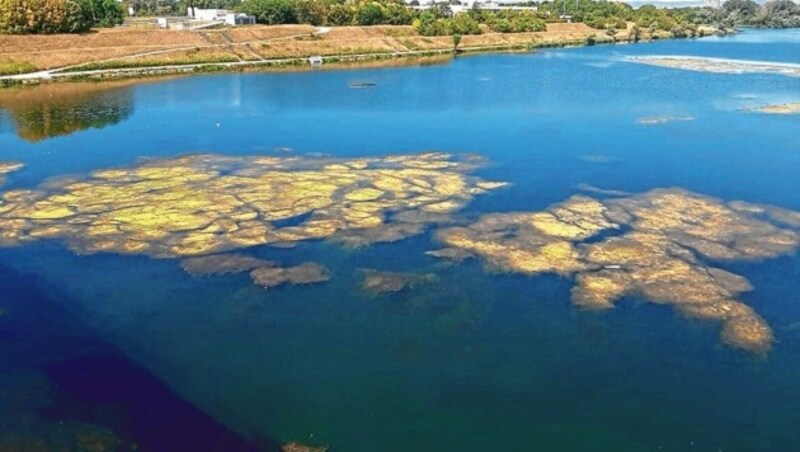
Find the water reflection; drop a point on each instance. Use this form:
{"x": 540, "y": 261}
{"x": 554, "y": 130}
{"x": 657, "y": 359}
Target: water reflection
{"x": 53, "y": 110}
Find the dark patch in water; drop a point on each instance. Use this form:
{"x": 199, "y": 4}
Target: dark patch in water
{"x": 92, "y": 382}
{"x": 109, "y": 389}
{"x": 607, "y": 234}
{"x": 292, "y": 221}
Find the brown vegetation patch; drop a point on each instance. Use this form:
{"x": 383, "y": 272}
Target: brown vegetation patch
{"x": 306, "y": 273}
{"x": 220, "y": 264}
{"x": 378, "y": 282}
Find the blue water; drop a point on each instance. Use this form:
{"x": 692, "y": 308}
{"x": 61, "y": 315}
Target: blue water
{"x": 477, "y": 361}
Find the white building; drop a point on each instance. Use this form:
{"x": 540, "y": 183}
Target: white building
{"x": 220, "y": 15}
{"x": 463, "y": 6}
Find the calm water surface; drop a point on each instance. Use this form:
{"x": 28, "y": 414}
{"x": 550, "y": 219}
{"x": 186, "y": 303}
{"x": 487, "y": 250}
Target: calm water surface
{"x": 478, "y": 361}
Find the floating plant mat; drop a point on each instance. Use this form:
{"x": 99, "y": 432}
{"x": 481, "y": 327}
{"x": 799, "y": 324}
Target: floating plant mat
{"x": 198, "y": 206}
{"x": 204, "y": 204}
{"x": 720, "y": 65}
{"x": 791, "y": 108}
{"x": 665, "y": 233}
{"x": 8, "y": 167}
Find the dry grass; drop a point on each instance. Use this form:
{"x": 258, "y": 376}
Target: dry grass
{"x": 261, "y": 33}
{"x": 136, "y": 48}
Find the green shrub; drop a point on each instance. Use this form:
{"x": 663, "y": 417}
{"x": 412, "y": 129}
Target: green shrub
{"x": 15, "y": 67}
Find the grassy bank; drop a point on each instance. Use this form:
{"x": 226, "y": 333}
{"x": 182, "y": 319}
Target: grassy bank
{"x": 15, "y": 67}
{"x": 115, "y": 54}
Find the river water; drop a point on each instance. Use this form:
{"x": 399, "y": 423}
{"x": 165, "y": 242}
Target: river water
{"x": 130, "y": 349}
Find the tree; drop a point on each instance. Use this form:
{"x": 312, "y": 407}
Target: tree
{"x": 397, "y": 14}
{"x": 42, "y": 16}
{"x": 102, "y": 13}
{"x": 456, "y": 42}
{"x": 501, "y": 26}
{"x": 271, "y": 12}
{"x": 740, "y": 7}
{"x": 778, "y": 14}
{"x": 341, "y": 14}
{"x": 464, "y": 24}
{"x": 313, "y": 12}
{"x": 369, "y": 14}
{"x": 441, "y": 10}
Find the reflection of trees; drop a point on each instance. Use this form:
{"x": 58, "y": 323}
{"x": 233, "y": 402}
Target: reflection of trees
{"x": 60, "y": 109}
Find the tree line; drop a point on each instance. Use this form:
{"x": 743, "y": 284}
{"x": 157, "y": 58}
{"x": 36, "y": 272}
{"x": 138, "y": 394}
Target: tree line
{"x": 436, "y": 21}
{"x": 772, "y": 14}
{"x": 71, "y": 16}
{"x": 57, "y": 16}
{"x": 606, "y": 15}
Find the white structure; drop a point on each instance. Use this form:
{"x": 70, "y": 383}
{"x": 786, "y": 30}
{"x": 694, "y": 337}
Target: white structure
{"x": 220, "y": 15}
{"x": 465, "y": 5}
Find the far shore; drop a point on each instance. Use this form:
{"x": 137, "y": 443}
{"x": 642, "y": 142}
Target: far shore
{"x": 130, "y": 53}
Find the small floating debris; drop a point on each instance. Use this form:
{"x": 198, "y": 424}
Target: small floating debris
{"x": 454, "y": 255}
{"x": 379, "y": 282}
{"x": 362, "y": 85}
{"x": 306, "y": 273}
{"x": 599, "y": 158}
{"x": 220, "y": 264}
{"x": 601, "y": 191}
{"x": 791, "y": 108}
{"x": 653, "y": 120}
{"x": 8, "y": 167}
{"x": 601, "y": 64}
{"x": 300, "y": 447}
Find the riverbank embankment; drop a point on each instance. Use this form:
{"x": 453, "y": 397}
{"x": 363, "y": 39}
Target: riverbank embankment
{"x": 126, "y": 53}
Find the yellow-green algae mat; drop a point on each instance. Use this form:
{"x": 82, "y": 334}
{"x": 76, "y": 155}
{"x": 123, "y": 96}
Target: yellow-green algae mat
{"x": 197, "y": 206}
{"x": 203, "y": 204}
{"x": 663, "y": 234}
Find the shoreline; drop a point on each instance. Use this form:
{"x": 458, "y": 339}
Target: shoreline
{"x": 296, "y": 63}
{"x": 127, "y": 67}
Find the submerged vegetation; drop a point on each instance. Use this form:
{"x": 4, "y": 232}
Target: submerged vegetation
{"x": 205, "y": 204}
{"x": 378, "y": 282}
{"x": 655, "y": 245}
{"x": 658, "y": 251}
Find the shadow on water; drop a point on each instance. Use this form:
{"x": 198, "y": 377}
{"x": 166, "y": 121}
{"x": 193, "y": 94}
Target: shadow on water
{"x": 53, "y": 110}
{"x": 65, "y": 389}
